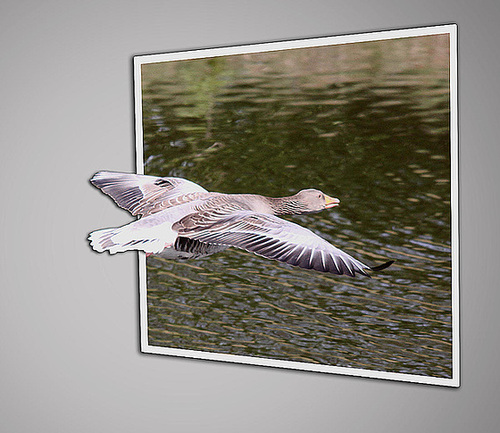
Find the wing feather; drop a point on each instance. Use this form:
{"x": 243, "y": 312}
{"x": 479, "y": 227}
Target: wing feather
{"x": 146, "y": 195}
{"x": 273, "y": 238}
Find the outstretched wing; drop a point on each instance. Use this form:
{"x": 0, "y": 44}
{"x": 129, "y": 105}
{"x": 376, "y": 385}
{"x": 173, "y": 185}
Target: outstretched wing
{"x": 146, "y": 195}
{"x": 271, "y": 237}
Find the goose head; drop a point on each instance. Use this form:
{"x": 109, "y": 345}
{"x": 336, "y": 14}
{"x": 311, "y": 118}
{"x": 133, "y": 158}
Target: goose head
{"x": 313, "y": 200}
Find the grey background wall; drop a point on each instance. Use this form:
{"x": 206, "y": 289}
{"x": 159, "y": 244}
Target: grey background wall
{"x": 68, "y": 318}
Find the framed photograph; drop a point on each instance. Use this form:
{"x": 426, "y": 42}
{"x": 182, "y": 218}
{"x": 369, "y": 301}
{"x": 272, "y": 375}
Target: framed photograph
{"x": 368, "y": 122}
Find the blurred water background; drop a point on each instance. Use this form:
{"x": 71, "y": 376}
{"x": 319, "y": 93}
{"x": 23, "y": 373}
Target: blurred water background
{"x": 367, "y": 123}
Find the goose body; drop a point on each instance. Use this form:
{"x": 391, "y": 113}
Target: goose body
{"x": 182, "y": 220}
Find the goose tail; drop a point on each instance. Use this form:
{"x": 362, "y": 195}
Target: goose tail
{"x": 121, "y": 239}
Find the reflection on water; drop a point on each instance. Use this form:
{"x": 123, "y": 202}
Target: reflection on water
{"x": 367, "y": 123}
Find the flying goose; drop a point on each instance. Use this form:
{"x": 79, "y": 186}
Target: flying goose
{"x": 180, "y": 219}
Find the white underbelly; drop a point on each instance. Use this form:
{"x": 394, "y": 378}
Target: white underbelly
{"x": 158, "y": 229}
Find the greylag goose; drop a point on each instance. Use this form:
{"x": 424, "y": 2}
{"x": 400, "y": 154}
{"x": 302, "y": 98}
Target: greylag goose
{"x": 180, "y": 219}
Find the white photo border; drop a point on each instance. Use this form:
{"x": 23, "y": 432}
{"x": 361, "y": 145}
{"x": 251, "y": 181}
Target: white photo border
{"x": 451, "y": 30}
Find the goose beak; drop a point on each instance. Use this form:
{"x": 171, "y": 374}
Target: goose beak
{"x": 331, "y": 202}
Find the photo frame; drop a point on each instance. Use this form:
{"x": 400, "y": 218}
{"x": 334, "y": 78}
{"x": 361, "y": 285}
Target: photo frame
{"x": 374, "y": 114}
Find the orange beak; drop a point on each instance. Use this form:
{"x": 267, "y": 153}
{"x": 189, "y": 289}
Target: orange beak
{"x": 331, "y": 202}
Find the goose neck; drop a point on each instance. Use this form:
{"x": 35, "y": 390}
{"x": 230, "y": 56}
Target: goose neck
{"x": 286, "y": 206}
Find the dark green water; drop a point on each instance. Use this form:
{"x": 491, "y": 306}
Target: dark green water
{"x": 367, "y": 123}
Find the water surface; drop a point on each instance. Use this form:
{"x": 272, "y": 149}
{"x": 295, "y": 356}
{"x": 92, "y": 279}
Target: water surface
{"x": 367, "y": 123}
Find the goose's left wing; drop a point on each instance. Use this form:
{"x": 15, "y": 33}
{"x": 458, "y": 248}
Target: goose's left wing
{"x": 273, "y": 238}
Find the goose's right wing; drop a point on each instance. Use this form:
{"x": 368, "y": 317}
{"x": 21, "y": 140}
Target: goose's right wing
{"x": 146, "y": 195}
